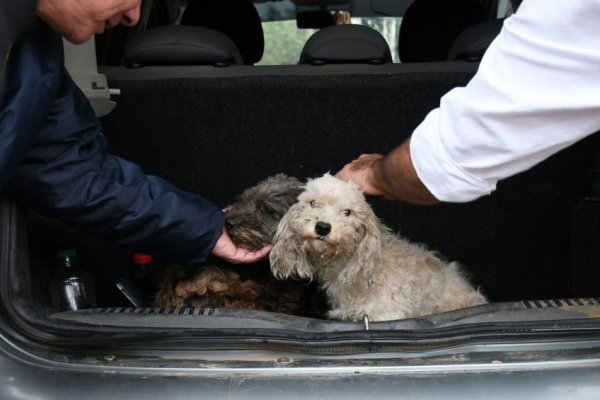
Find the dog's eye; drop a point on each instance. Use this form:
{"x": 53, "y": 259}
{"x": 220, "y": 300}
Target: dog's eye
{"x": 347, "y": 212}
{"x": 314, "y": 204}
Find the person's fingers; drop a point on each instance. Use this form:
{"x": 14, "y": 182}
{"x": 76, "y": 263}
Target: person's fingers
{"x": 259, "y": 254}
{"x": 360, "y": 171}
{"x": 369, "y": 157}
{"x": 243, "y": 256}
{"x": 343, "y": 173}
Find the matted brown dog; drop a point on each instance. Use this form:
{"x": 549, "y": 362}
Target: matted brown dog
{"x": 251, "y": 222}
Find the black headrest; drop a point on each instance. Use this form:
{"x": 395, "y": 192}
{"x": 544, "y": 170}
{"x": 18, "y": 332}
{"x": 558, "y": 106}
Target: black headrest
{"x": 340, "y": 44}
{"x": 181, "y": 45}
{"x": 474, "y": 41}
{"x": 429, "y": 27}
{"x": 238, "y": 19}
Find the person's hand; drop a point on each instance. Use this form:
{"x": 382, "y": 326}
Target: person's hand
{"x": 392, "y": 177}
{"x": 361, "y": 172}
{"x": 227, "y": 250}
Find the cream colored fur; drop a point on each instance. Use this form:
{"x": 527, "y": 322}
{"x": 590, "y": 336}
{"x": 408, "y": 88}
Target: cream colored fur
{"x": 363, "y": 267}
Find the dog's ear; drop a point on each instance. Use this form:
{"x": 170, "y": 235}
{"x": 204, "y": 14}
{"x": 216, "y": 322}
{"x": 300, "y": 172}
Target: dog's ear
{"x": 287, "y": 257}
{"x": 368, "y": 251}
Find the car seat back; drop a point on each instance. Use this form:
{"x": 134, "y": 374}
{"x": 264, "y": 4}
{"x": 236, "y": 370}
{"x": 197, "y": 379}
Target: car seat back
{"x": 429, "y": 27}
{"x": 181, "y": 45}
{"x": 237, "y": 19}
{"x": 471, "y": 44}
{"x": 344, "y": 44}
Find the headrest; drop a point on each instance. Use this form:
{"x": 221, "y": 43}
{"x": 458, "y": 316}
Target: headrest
{"x": 181, "y": 45}
{"x": 238, "y": 19}
{"x": 472, "y": 43}
{"x": 429, "y": 27}
{"x": 341, "y": 44}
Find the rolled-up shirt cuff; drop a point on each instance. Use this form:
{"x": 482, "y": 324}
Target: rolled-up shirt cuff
{"x": 442, "y": 175}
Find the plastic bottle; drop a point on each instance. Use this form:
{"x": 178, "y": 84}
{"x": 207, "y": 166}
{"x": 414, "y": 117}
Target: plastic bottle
{"x": 71, "y": 288}
{"x": 144, "y": 274}
{"x": 141, "y": 282}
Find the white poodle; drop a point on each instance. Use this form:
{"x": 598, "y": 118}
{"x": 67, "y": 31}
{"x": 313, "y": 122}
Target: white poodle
{"x": 333, "y": 234}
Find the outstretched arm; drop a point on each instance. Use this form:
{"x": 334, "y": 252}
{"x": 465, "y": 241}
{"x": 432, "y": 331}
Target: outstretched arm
{"x": 57, "y": 163}
{"x": 534, "y": 94}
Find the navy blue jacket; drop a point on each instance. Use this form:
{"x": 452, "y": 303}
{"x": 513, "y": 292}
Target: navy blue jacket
{"x": 15, "y": 18}
{"x": 53, "y": 158}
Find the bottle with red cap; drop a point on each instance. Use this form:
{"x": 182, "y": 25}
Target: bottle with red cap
{"x": 144, "y": 275}
{"x": 141, "y": 282}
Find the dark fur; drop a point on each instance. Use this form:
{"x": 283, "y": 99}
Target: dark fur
{"x": 251, "y": 222}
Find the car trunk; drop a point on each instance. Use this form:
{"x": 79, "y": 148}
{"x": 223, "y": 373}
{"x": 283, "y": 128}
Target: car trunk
{"x": 218, "y": 131}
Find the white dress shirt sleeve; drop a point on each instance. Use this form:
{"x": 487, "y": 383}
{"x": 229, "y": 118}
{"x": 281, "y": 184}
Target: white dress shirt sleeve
{"x": 536, "y": 92}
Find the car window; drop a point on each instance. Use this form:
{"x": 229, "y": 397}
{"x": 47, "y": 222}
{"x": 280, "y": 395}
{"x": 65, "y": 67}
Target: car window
{"x": 284, "y": 40}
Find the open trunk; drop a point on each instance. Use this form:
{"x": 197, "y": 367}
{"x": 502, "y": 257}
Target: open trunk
{"x": 218, "y": 131}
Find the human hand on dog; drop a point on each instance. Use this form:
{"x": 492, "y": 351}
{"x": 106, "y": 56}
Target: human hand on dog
{"x": 227, "y": 250}
{"x": 361, "y": 172}
{"x": 391, "y": 177}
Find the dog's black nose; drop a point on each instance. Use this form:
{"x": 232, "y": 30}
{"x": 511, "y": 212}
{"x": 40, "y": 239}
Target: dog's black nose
{"x": 322, "y": 228}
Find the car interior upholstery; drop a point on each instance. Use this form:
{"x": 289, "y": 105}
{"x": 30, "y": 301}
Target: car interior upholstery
{"x": 516, "y": 243}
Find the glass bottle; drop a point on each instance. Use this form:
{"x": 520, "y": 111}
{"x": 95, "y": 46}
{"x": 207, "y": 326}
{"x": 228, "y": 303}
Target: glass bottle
{"x": 71, "y": 288}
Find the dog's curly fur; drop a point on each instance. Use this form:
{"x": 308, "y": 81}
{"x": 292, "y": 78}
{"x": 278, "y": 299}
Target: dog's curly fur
{"x": 332, "y": 234}
{"x": 251, "y": 222}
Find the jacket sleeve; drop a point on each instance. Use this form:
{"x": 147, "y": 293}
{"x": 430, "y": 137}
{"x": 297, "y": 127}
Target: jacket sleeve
{"x": 68, "y": 174}
{"x": 15, "y": 18}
